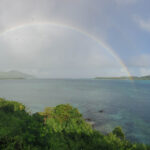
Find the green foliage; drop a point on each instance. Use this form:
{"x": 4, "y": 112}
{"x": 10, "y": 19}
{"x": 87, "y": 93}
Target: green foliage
{"x": 11, "y": 106}
{"x": 58, "y": 128}
{"x": 68, "y": 119}
{"x": 17, "y": 127}
{"x": 119, "y": 133}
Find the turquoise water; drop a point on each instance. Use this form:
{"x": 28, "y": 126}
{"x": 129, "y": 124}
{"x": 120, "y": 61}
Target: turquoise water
{"x": 124, "y": 103}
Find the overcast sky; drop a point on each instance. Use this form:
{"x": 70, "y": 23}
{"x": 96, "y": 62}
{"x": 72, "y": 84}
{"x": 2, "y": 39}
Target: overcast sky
{"x": 64, "y": 38}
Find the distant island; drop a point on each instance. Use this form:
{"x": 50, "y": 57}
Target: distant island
{"x": 126, "y": 78}
{"x": 15, "y": 75}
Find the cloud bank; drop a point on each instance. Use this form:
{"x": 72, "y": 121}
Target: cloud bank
{"x": 47, "y": 51}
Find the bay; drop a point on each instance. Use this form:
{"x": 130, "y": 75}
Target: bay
{"x": 109, "y": 103}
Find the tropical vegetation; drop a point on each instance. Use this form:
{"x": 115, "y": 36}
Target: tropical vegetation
{"x": 57, "y": 128}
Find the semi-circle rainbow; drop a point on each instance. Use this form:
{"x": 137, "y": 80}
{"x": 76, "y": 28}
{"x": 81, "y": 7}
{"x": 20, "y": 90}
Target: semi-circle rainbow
{"x": 98, "y": 40}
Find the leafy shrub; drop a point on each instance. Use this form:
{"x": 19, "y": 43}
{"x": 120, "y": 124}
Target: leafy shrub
{"x": 119, "y": 133}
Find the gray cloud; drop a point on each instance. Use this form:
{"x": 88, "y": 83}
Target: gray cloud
{"x": 56, "y": 52}
{"x": 122, "y": 2}
{"x": 142, "y": 60}
{"x": 50, "y": 51}
{"x": 143, "y": 24}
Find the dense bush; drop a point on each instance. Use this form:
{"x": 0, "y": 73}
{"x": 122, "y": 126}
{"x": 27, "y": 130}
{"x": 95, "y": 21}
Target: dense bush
{"x": 119, "y": 133}
{"x": 58, "y": 128}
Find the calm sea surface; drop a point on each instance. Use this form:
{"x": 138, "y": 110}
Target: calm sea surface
{"x": 124, "y": 103}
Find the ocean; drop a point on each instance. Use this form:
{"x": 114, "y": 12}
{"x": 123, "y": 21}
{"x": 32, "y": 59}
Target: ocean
{"x": 109, "y": 103}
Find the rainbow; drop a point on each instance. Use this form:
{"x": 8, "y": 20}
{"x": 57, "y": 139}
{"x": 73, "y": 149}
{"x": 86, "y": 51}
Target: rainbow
{"x": 96, "y": 39}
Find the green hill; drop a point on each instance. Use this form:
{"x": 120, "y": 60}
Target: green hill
{"x": 14, "y": 75}
{"x": 126, "y": 78}
{"x": 145, "y": 77}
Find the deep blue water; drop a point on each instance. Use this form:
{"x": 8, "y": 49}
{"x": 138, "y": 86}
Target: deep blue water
{"x": 125, "y": 103}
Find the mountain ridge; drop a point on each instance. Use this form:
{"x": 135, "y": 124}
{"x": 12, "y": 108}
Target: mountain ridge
{"x": 13, "y": 74}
